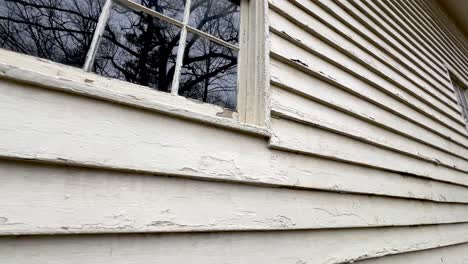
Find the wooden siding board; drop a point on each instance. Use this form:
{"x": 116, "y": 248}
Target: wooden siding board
{"x": 437, "y": 28}
{"x": 455, "y": 254}
{"x": 298, "y": 108}
{"x": 350, "y": 26}
{"x": 409, "y": 21}
{"x": 69, "y": 200}
{"x": 301, "y": 83}
{"x": 327, "y": 246}
{"x": 283, "y": 46}
{"x": 359, "y": 35}
{"x": 56, "y": 132}
{"x": 406, "y": 45}
{"x": 294, "y": 136}
{"x": 305, "y": 29}
{"x": 379, "y": 33}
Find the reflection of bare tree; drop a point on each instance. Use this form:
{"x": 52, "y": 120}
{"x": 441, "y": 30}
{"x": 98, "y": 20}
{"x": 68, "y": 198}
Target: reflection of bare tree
{"x": 136, "y": 47}
{"x": 59, "y": 30}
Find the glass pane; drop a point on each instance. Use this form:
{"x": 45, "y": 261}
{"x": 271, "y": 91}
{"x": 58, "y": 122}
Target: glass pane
{"x": 138, "y": 48}
{"x": 170, "y": 8}
{"x": 58, "y": 30}
{"x": 219, "y": 18}
{"x": 209, "y": 73}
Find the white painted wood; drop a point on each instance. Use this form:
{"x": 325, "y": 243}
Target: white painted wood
{"x": 53, "y": 76}
{"x": 457, "y": 254}
{"x": 381, "y": 30}
{"x": 327, "y": 246}
{"x": 288, "y": 105}
{"x": 406, "y": 44}
{"x": 388, "y": 81}
{"x": 360, "y": 50}
{"x": 303, "y": 138}
{"x": 323, "y": 91}
{"x": 109, "y": 136}
{"x": 74, "y": 200}
{"x": 307, "y": 61}
{"x": 406, "y": 21}
{"x": 438, "y": 31}
{"x": 361, "y": 27}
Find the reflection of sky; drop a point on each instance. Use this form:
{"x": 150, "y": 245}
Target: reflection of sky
{"x": 60, "y": 35}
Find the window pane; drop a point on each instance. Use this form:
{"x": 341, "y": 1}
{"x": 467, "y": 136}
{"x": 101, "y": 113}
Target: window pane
{"x": 209, "y": 73}
{"x": 58, "y": 30}
{"x": 138, "y": 48}
{"x": 219, "y": 18}
{"x": 170, "y": 8}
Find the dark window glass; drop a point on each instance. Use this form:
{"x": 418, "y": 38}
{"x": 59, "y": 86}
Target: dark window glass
{"x": 58, "y": 30}
{"x": 209, "y": 73}
{"x": 219, "y": 18}
{"x": 170, "y": 8}
{"x": 138, "y": 48}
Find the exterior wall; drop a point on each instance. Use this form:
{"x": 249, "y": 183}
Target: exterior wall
{"x": 365, "y": 156}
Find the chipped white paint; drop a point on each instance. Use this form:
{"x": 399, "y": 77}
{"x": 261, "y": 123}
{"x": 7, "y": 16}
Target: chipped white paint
{"x": 60, "y": 197}
{"x": 358, "y": 109}
{"x": 457, "y": 254}
{"x": 299, "y": 247}
{"x": 159, "y": 144}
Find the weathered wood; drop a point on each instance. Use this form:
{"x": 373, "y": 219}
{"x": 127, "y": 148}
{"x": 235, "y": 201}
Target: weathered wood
{"x": 67, "y": 200}
{"x": 327, "y": 246}
{"x": 456, "y": 254}
{"x": 325, "y": 91}
{"x": 295, "y": 107}
{"x": 361, "y": 27}
{"x": 294, "y": 136}
{"x": 299, "y": 26}
{"x": 58, "y": 130}
{"x": 380, "y": 30}
{"x": 283, "y": 49}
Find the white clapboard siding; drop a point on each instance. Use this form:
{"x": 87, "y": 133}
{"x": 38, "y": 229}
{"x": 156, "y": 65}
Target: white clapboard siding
{"x": 367, "y": 29}
{"x": 296, "y": 107}
{"x": 400, "y": 29}
{"x": 456, "y": 254}
{"x": 336, "y": 49}
{"x": 351, "y": 30}
{"x": 406, "y": 20}
{"x": 327, "y": 246}
{"x": 299, "y": 82}
{"x": 56, "y": 132}
{"x": 286, "y": 50}
{"x": 294, "y": 136}
{"x": 73, "y": 200}
{"x": 299, "y": 37}
{"x": 437, "y": 32}
{"x": 355, "y": 47}
{"x": 405, "y": 44}
{"x": 381, "y": 30}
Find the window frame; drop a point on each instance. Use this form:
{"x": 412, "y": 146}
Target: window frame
{"x": 252, "y": 77}
{"x": 461, "y": 92}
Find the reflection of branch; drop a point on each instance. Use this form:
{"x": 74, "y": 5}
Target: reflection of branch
{"x": 44, "y": 27}
{"x": 187, "y": 86}
{"x": 50, "y": 7}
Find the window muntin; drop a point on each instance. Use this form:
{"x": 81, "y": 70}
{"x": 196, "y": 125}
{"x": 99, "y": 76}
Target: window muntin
{"x": 206, "y": 70}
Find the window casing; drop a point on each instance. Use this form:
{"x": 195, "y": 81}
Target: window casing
{"x": 248, "y": 50}
{"x": 462, "y": 94}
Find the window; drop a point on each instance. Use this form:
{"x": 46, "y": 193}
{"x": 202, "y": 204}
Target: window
{"x": 462, "y": 95}
{"x": 206, "y": 50}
